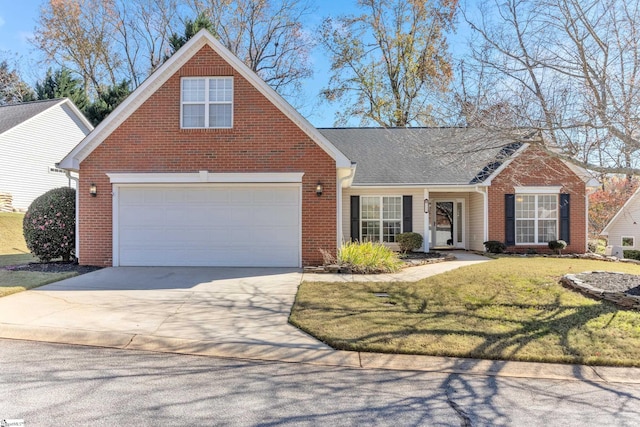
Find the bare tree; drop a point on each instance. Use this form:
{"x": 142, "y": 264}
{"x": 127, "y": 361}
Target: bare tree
{"x": 568, "y": 69}
{"x": 389, "y": 62}
{"x": 77, "y": 35}
{"x": 13, "y": 89}
{"x": 267, "y": 35}
{"x": 143, "y": 31}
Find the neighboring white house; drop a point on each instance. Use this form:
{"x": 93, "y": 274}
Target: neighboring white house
{"x": 34, "y": 136}
{"x": 624, "y": 228}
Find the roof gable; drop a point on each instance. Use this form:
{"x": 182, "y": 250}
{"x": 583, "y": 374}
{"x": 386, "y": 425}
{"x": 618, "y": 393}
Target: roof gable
{"x": 620, "y": 213}
{"x": 19, "y": 114}
{"x": 165, "y": 72}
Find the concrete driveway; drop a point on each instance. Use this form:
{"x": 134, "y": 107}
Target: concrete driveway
{"x": 232, "y": 312}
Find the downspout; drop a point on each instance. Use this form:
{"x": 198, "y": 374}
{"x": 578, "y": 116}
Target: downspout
{"x": 339, "y": 196}
{"x": 77, "y": 181}
{"x": 485, "y": 197}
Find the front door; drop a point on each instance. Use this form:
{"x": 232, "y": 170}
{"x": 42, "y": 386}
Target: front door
{"x": 447, "y": 224}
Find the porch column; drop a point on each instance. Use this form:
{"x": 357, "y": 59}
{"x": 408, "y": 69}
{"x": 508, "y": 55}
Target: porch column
{"x": 426, "y": 241}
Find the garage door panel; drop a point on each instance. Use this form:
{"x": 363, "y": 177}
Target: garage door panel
{"x": 209, "y": 226}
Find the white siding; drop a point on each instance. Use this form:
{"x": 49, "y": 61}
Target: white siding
{"x": 476, "y": 222}
{"x": 417, "y": 215}
{"x": 31, "y": 148}
{"x": 626, "y": 224}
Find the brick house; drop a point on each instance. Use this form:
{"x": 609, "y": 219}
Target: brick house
{"x": 206, "y": 165}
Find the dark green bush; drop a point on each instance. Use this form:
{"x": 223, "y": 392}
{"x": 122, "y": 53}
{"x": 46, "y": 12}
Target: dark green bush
{"x": 557, "y": 245}
{"x": 50, "y": 223}
{"x": 409, "y": 241}
{"x": 631, "y": 254}
{"x": 494, "y": 246}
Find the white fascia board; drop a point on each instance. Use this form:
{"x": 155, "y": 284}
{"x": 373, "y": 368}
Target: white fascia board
{"x": 78, "y": 113}
{"x": 506, "y": 163}
{"x": 605, "y": 230}
{"x": 204, "y": 177}
{"x": 430, "y": 187}
{"x": 168, "y": 69}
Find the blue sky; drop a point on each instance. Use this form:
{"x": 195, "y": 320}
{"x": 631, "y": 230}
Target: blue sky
{"x": 18, "y": 19}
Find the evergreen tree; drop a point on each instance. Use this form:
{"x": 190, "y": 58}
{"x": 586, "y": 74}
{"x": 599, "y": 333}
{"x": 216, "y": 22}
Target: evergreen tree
{"x": 61, "y": 84}
{"x": 109, "y": 98}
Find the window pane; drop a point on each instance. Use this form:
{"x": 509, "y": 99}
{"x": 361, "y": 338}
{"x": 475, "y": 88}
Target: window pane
{"x": 220, "y": 116}
{"x": 548, "y": 207}
{"x": 371, "y": 231}
{"x": 627, "y": 242}
{"x": 221, "y": 90}
{"x": 392, "y": 208}
{"x": 193, "y": 90}
{"x": 390, "y": 230}
{"x": 193, "y": 116}
{"x": 546, "y": 230}
{"x": 525, "y": 207}
{"x": 370, "y": 207}
{"x": 525, "y": 231}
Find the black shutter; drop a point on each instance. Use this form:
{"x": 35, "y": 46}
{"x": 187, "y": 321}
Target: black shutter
{"x": 510, "y": 219}
{"x": 407, "y": 214}
{"x": 564, "y": 217}
{"x": 355, "y": 218}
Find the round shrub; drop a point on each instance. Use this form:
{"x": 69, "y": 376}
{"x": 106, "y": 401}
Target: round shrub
{"x": 557, "y": 245}
{"x": 50, "y": 223}
{"x": 409, "y": 241}
{"x": 494, "y": 246}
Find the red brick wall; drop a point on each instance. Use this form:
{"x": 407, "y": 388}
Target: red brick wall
{"x": 536, "y": 168}
{"x": 263, "y": 139}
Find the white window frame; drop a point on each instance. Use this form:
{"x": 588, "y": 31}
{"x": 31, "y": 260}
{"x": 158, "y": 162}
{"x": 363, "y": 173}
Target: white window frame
{"x": 536, "y": 218}
{"x": 633, "y": 241}
{"x": 381, "y": 218}
{"x": 207, "y": 103}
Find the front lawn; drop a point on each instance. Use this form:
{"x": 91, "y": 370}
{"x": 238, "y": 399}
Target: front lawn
{"x": 512, "y": 308}
{"x": 13, "y": 251}
{"x": 18, "y": 281}
{"x": 11, "y": 237}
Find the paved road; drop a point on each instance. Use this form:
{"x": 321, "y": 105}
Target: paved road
{"x": 55, "y": 385}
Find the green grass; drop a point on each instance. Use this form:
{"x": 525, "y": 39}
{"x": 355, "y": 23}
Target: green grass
{"x": 11, "y": 237}
{"x": 12, "y": 282}
{"x": 510, "y": 308}
{"x": 13, "y": 251}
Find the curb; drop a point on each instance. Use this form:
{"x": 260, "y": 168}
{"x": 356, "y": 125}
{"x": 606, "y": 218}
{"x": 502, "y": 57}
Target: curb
{"x": 332, "y": 358}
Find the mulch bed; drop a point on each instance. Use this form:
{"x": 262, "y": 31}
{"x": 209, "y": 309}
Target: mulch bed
{"x": 53, "y": 267}
{"x": 612, "y": 282}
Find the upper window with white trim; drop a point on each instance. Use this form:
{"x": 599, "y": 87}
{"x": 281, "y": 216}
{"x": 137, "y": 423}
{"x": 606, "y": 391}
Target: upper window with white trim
{"x": 536, "y": 217}
{"x": 206, "y": 102}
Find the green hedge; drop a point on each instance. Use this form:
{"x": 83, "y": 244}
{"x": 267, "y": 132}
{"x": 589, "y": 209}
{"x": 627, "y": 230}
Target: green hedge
{"x": 631, "y": 254}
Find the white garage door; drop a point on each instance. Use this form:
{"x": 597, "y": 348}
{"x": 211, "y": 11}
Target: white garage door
{"x": 231, "y": 225}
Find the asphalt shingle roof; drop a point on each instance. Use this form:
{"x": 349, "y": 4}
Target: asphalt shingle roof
{"x": 394, "y": 156}
{"x": 14, "y": 114}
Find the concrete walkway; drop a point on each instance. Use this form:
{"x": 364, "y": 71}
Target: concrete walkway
{"x": 228, "y": 312}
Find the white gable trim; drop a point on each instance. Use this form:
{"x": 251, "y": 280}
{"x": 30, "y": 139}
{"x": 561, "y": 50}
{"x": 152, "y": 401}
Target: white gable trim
{"x": 504, "y": 164}
{"x": 62, "y": 101}
{"x": 169, "y": 68}
{"x": 605, "y": 230}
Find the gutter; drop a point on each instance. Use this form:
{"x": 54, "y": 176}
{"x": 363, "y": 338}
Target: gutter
{"x": 77, "y": 231}
{"x": 485, "y": 195}
{"x": 352, "y": 172}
